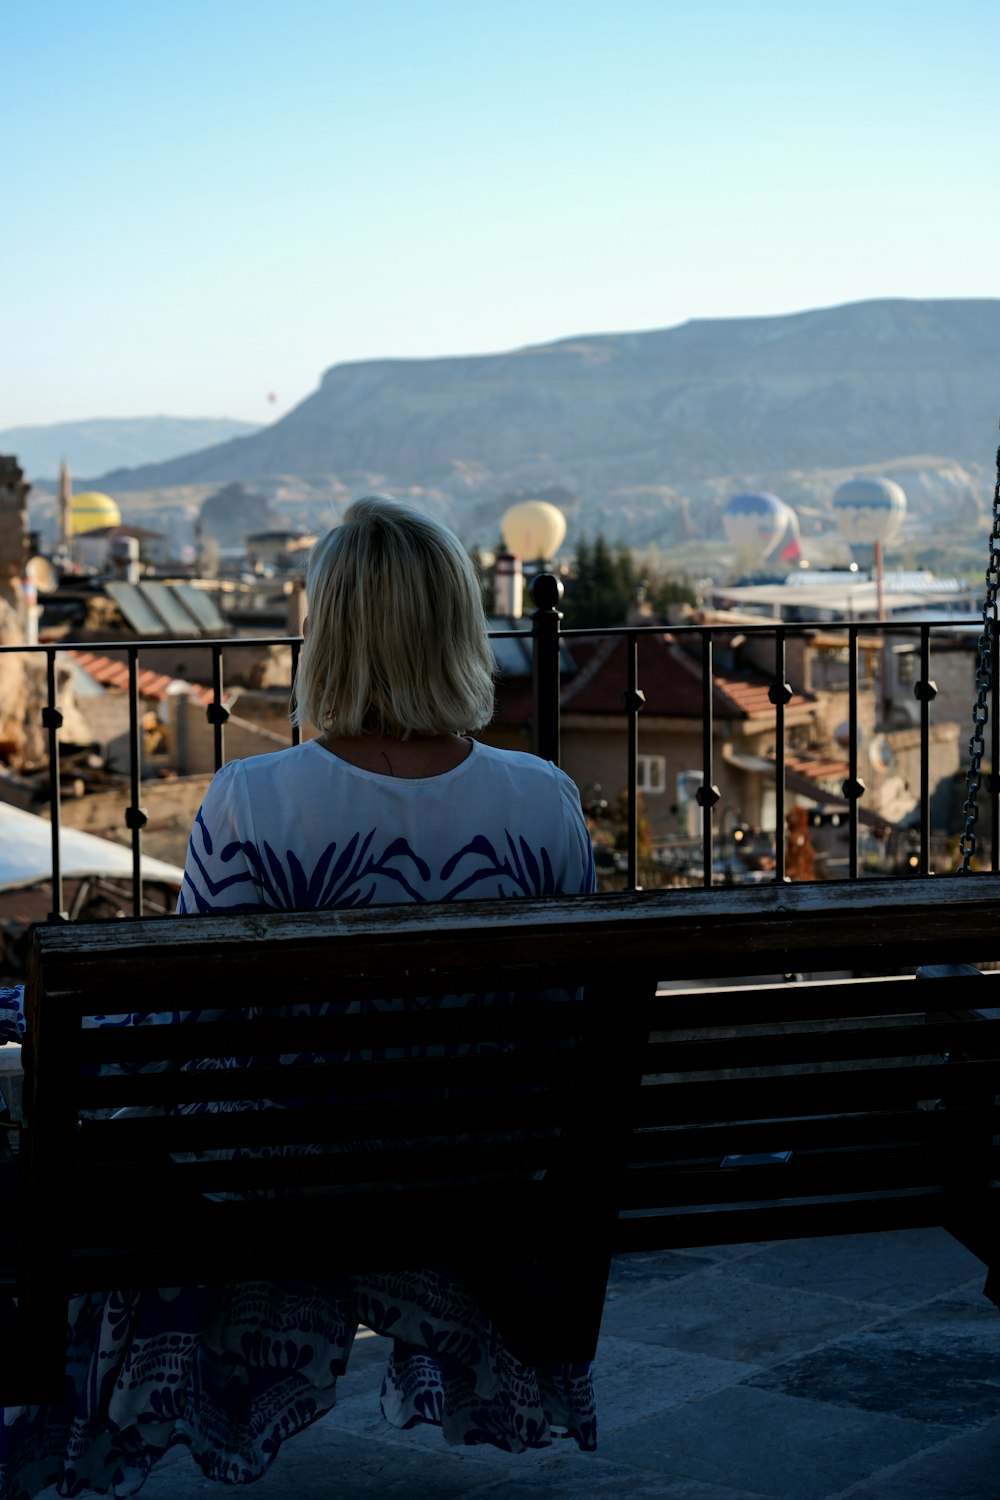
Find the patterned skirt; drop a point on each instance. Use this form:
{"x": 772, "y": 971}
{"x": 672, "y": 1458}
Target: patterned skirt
{"x": 234, "y": 1371}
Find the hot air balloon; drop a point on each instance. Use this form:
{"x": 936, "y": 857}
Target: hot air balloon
{"x": 755, "y": 522}
{"x": 533, "y": 530}
{"x": 869, "y": 510}
{"x": 787, "y": 550}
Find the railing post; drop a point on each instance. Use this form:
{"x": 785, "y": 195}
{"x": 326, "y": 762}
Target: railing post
{"x": 296, "y": 652}
{"x": 135, "y": 816}
{"x": 853, "y": 788}
{"x": 634, "y": 700}
{"x": 708, "y": 793}
{"x": 52, "y": 721}
{"x": 925, "y": 691}
{"x": 546, "y": 619}
{"x": 780, "y": 694}
{"x": 216, "y": 712}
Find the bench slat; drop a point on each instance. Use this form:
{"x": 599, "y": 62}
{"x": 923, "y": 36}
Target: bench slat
{"x": 839, "y": 1131}
{"x": 528, "y": 1020}
{"x": 843, "y": 1214}
{"x": 914, "y": 1037}
{"x": 805, "y": 1000}
{"x": 812, "y": 1093}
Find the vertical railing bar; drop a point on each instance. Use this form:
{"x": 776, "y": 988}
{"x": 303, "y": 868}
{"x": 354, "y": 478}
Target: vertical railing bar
{"x": 707, "y": 735}
{"x": 633, "y": 702}
{"x": 218, "y": 713}
{"x": 135, "y": 817}
{"x": 925, "y": 750}
{"x": 546, "y": 591}
{"x": 779, "y": 755}
{"x": 296, "y": 648}
{"x": 852, "y": 753}
{"x": 52, "y": 721}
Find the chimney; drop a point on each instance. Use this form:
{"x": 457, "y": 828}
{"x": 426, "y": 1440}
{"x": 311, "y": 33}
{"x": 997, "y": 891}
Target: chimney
{"x": 123, "y": 555}
{"x": 65, "y": 499}
{"x": 508, "y": 586}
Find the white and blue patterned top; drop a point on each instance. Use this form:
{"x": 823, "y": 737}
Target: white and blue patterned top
{"x": 302, "y": 829}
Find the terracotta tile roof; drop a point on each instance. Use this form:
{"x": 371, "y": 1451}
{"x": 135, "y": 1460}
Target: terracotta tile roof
{"x": 817, "y": 768}
{"x": 152, "y": 685}
{"x": 669, "y": 675}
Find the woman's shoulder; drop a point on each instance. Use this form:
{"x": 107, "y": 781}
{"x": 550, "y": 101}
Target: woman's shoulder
{"x": 520, "y": 766}
{"x": 259, "y": 778}
{"x": 518, "y": 761}
{"x": 275, "y": 764}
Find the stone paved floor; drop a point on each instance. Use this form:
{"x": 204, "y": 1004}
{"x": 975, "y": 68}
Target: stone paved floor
{"x": 856, "y": 1368}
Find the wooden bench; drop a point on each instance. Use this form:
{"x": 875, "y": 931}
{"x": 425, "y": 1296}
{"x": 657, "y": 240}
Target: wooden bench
{"x": 687, "y": 1095}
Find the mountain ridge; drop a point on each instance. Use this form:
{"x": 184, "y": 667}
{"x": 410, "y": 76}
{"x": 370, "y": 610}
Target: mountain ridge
{"x": 91, "y": 443}
{"x": 644, "y": 431}
{"x": 804, "y": 390}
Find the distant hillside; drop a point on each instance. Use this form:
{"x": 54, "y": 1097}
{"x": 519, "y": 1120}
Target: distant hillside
{"x": 638, "y": 425}
{"x": 103, "y": 443}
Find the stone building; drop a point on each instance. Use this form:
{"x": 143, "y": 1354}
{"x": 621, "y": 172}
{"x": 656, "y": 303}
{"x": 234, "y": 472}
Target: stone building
{"x": 14, "y": 673}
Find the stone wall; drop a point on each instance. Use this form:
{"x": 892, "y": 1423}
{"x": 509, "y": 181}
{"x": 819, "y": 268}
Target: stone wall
{"x": 171, "y": 805}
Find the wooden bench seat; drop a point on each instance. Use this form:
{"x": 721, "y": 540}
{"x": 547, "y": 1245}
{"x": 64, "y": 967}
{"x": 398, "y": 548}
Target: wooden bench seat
{"x": 619, "y": 1091}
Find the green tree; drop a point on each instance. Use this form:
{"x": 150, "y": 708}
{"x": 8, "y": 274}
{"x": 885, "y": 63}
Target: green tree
{"x": 664, "y": 589}
{"x": 604, "y": 583}
{"x": 601, "y": 585}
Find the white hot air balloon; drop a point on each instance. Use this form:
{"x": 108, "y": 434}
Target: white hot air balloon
{"x": 869, "y": 510}
{"x": 533, "y": 530}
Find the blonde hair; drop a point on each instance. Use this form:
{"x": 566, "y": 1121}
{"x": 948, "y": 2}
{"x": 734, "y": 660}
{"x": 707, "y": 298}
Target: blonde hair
{"x": 396, "y": 642}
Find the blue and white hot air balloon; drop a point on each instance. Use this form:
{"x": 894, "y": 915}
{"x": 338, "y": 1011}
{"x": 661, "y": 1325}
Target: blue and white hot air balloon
{"x": 764, "y": 530}
{"x": 786, "y": 554}
{"x": 755, "y": 522}
{"x": 869, "y": 511}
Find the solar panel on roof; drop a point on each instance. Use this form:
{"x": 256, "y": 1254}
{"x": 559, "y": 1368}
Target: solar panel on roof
{"x": 202, "y": 608}
{"x": 162, "y": 598}
{"x": 136, "y": 610}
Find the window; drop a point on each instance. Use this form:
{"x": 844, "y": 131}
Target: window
{"x": 652, "y": 773}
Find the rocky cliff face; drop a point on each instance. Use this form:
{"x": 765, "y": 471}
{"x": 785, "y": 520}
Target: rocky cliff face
{"x": 646, "y": 425}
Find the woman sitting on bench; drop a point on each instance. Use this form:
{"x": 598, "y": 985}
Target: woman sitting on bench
{"x": 392, "y": 802}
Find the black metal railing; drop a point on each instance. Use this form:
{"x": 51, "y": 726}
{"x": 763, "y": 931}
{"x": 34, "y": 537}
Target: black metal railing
{"x": 548, "y": 638}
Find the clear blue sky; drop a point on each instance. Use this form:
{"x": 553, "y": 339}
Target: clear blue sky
{"x": 209, "y": 200}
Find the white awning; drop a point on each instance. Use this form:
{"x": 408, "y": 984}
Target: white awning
{"x": 26, "y": 854}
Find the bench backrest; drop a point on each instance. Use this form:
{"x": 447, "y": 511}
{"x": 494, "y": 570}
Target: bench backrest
{"x": 798, "y": 1108}
{"x": 214, "y": 1101}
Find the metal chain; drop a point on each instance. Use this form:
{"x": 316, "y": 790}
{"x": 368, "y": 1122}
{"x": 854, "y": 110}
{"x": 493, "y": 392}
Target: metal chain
{"x": 984, "y": 681}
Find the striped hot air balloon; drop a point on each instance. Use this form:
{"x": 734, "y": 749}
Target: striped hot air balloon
{"x": 869, "y": 510}
{"x": 755, "y": 522}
